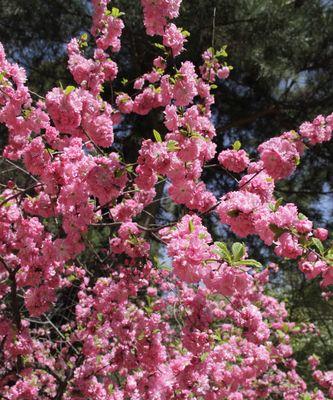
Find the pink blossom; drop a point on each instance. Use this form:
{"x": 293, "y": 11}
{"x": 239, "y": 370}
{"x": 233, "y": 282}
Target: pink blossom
{"x": 124, "y": 103}
{"x": 189, "y": 248}
{"x": 234, "y": 160}
{"x": 223, "y": 73}
{"x": 288, "y": 246}
{"x": 185, "y": 87}
{"x": 279, "y": 156}
{"x": 227, "y": 280}
{"x": 321, "y": 233}
{"x": 237, "y": 210}
{"x": 64, "y": 109}
{"x": 171, "y": 118}
{"x": 144, "y": 102}
{"x": 174, "y": 39}
{"x": 107, "y": 178}
{"x": 316, "y": 131}
{"x": 156, "y": 14}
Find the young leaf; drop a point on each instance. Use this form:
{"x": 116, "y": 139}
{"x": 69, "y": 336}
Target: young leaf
{"x": 250, "y": 262}
{"x": 278, "y": 203}
{"x": 68, "y": 90}
{"x": 116, "y": 13}
{"x": 173, "y": 145}
{"x": 318, "y": 244}
{"x": 110, "y": 389}
{"x": 191, "y": 226}
{"x": 2, "y": 75}
{"x": 237, "y": 145}
{"x": 185, "y": 33}
{"x": 302, "y": 217}
{"x": 159, "y": 46}
{"x": 223, "y": 251}
{"x": 238, "y": 251}
{"x": 233, "y": 213}
{"x": 157, "y": 136}
{"x": 276, "y": 230}
{"x": 306, "y": 396}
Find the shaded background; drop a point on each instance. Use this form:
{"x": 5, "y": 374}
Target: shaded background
{"x": 282, "y": 53}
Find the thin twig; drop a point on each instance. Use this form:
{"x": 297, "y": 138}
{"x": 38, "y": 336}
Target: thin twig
{"x": 20, "y": 193}
{"x": 20, "y": 168}
{"x": 214, "y": 27}
{"x": 36, "y": 94}
{"x": 99, "y": 150}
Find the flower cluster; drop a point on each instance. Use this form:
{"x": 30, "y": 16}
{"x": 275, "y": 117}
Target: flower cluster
{"x": 89, "y": 308}
{"x": 234, "y": 160}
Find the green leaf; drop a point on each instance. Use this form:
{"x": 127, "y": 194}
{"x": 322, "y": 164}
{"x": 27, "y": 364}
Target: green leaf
{"x": 7, "y": 204}
{"x": 329, "y": 255}
{"x": 233, "y": 213}
{"x": 191, "y": 226}
{"x": 157, "y": 136}
{"x": 223, "y": 251}
{"x": 274, "y": 207}
{"x": 195, "y": 135}
{"x": 26, "y": 113}
{"x": 278, "y": 203}
{"x": 185, "y": 33}
{"x": 68, "y": 90}
{"x": 281, "y": 335}
{"x": 218, "y": 335}
{"x": 222, "y": 52}
{"x": 72, "y": 278}
{"x": 318, "y": 244}
{"x": 160, "y": 46}
{"x": 133, "y": 240}
{"x": 306, "y": 396}
{"x": 277, "y": 230}
{"x": 2, "y": 75}
{"x": 302, "y": 217}
{"x": 237, "y": 145}
{"x": 173, "y": 145}
{"x": 250, "y": 262}
{"x": 119, "y": 172}
{"x": 148, "y": 310}
{"x": 115, "y": 12}
{"x": 238, "y": 251}
{"x": 107, "y": 231}
{"x": 110, "y": 389}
